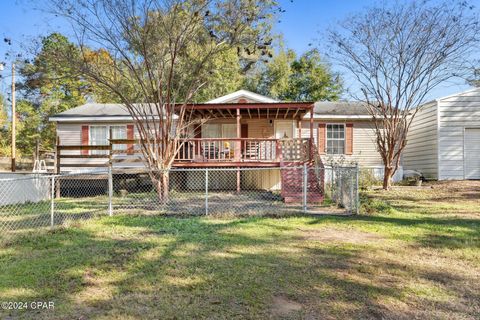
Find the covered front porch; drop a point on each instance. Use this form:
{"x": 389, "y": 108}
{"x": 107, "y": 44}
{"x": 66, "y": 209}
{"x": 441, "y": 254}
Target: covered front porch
{"x": 247, "y": 134}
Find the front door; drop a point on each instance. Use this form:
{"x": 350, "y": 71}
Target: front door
{"x": 284, "y": 129}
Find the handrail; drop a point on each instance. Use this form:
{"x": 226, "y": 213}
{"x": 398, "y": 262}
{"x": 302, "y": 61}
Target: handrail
{"x": 83, "y": 147}
{"x": 129, "y": 141}
{"x": 241, "y": 139}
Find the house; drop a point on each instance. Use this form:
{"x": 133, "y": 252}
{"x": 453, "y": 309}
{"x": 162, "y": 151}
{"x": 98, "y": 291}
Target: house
{"x": 244, "y": 129}
{"x": 444, "y": 138}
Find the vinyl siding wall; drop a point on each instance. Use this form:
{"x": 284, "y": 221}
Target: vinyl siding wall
{"x": 364, "y": 147}
{"x": 422, "y": 143}
{"x": 456, "y": 113}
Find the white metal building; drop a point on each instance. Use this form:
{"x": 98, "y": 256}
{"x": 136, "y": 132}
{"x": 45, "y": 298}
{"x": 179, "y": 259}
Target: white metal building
{"x": 444, "y": 139}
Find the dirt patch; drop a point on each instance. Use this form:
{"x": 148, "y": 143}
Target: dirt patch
{"x": 282, "y": 306}
{"x": 339, "y": 235}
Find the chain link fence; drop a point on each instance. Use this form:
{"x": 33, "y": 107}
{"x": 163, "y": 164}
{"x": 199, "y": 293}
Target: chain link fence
{"x": 40, "y": 201}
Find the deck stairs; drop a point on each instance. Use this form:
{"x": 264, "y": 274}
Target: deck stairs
{"x": 292, "y": 176}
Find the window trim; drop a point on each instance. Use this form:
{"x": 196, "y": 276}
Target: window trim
{"x": 336, "y": 139}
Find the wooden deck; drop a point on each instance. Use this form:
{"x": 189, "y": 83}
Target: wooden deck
{"x": 192, "y": 153}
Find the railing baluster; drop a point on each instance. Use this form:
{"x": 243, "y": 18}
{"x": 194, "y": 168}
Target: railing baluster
{"x": 226, "y": 149}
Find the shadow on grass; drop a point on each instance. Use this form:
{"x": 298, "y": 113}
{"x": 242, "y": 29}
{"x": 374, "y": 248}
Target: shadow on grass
{"x": 164, "y": 267}
{"x": 171, "y": 267}
{"x": 426, "y": 231}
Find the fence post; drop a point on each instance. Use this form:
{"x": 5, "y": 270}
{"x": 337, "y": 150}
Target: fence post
{"x": 206, "y": 191}
{"x": 52, "y": 201}
{"x": 58, "y": 150}
{"x": 305, "y": 187}
{"x": 334, "y": 185}
{"x": 340, "y": 187}
{"x": 357, "y": 196}
{"x": 110, "y": 191}
{"x": 352, "y": 200}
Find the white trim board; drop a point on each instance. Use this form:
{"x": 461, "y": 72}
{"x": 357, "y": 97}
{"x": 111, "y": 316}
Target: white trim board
{"x": 242, "y": 94}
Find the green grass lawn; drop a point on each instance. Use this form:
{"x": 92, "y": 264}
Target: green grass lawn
{"x": 414, "y": 253}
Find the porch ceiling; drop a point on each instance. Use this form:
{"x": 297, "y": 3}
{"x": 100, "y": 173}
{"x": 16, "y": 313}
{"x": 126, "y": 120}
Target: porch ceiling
{"x": 277, "y": 110}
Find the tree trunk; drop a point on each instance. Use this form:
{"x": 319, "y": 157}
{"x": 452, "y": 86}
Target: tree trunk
{"x": 161, "y": 185}
{"x": 387, "y": 177}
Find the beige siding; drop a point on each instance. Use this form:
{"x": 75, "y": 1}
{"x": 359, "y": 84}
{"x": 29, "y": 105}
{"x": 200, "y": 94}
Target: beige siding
{"x": 268, "y": 179}
{"x": 69, "y": 133}
{"x": 422, "y": 143}
{"x": 364, "y": 148}
{"x": 264, "y": 179}
{"x": 260, "y": 128}
{"x": 456, "y": 113}
{"x": 306, "y": 131}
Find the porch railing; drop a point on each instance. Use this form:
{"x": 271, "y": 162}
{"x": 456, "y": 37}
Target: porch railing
{"x": 243, "y": 149}
{"x": 190, "y": 150}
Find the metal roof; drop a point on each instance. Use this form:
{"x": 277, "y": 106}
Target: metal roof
{"x": 95, "y": 110}
{"x": 341, "y": 108}
{"x": 112, "y": 111}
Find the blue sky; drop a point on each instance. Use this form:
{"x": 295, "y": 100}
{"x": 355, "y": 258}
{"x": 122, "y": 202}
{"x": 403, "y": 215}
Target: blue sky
{"x": 302, "y": 24}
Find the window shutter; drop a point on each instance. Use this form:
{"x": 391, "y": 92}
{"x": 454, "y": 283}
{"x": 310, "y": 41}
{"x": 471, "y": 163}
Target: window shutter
{"x": 84, "y": 139}
{"x": 130, "y": 136}
{"x": 322, "y": 128}
{"x": 349, "y": 138}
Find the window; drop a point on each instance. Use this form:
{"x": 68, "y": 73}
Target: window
{"x": 335, "y": 139}
{"x": 229, "y": 130}
{"x": 225, "y": 130}
{"x": 99, "y": 135}
{"x": 211, "y": 131}
{"x": 119, "y": 132}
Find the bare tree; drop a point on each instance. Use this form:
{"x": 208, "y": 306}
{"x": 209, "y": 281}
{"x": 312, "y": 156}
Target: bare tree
{"x": 397, "y": 53}
{"x": 155, "y": 54}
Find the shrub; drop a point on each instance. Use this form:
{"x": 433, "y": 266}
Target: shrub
{"x": 369, "y": 205}
{"x": 367, "y": 179}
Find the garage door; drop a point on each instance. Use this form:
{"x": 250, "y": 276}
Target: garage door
{"x": 472, "y": 153}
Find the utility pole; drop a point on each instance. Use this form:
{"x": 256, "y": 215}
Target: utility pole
{"x": 13, "y": 119}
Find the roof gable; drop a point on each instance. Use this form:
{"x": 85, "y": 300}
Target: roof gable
{"x": 236, "y": 96}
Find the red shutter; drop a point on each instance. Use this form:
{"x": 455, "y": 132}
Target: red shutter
{"x": 84, "y": 139}
{"x": 349, "y": 138}
{"x": 130, "y": 136}
{"x": 322, "y": 133}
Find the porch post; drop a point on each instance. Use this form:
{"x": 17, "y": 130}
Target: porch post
{"x": 238, "y": 147}
{"x": 239, "y": 135}
{"x": 299, "y": 127}
{"x": 311, "y": 132}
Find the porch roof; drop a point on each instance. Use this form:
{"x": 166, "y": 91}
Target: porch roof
{"x": 252, "y": 110}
